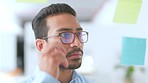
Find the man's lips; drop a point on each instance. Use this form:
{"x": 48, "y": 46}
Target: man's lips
{"x": 75, "y": 55}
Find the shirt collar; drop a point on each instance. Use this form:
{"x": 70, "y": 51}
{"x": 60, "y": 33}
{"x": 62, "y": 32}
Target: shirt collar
{"x": 74, "y": 75}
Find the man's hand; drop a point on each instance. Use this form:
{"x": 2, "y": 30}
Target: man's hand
{"x": 51, "y": 59}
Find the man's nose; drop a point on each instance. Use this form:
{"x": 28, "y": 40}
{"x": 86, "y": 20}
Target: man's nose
{"x": 76, "y": 42}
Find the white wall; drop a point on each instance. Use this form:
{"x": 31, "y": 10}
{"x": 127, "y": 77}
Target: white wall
{"x": 9, "y": 30}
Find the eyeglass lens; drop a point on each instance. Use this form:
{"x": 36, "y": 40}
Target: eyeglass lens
{"x": 69, "y": 37}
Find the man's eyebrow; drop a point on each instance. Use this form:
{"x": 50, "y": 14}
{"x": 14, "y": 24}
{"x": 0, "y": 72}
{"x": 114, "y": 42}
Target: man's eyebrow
{"x": 64, "y": 29}
{"x": 68, "y": 29}
{"x": 78, "y": 29}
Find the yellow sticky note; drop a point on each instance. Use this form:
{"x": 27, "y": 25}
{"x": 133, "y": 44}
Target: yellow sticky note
{"x": 127, "y": 11}
{"x": 33, "y": 1}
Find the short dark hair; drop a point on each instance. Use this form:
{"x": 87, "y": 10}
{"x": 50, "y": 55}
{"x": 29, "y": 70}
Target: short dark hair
{"x": 39, "y": 23}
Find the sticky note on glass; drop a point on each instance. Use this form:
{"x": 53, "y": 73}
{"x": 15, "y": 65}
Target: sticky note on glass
{"x": 127, "y": 11}
{"x": 133, "y": 51}
{"x": 33, "y": 1}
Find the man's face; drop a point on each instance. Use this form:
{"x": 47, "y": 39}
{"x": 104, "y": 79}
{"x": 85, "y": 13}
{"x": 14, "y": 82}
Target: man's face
{"x": 65, "y": 23}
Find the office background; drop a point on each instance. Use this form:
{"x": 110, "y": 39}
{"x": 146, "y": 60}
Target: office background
{"x": 102, "y": 53}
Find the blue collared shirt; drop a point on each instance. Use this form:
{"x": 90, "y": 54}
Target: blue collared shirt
{"x": 43, "y": 77}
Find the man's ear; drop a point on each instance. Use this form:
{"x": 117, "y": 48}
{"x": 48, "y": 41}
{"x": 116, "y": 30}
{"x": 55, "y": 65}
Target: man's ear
{"x": 40, "y": 44}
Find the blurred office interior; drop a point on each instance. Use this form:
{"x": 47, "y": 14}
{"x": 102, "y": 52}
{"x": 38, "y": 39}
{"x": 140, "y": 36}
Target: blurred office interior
{"x": 102, "y": 53}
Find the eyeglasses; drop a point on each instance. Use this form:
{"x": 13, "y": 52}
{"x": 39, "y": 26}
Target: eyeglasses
{"x": 69, "y": 37}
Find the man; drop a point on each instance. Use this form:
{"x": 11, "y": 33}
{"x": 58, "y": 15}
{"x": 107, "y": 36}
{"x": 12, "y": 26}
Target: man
{"x": 59, "y": 39}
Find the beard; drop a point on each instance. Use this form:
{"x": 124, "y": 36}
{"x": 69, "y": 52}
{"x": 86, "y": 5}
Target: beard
{"x": 76, "y": 62}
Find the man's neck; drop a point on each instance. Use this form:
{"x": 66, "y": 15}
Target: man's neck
{"x": 65, "y": 76}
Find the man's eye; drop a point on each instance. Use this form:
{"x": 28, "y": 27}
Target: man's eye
{"x": 66, "y": 35}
